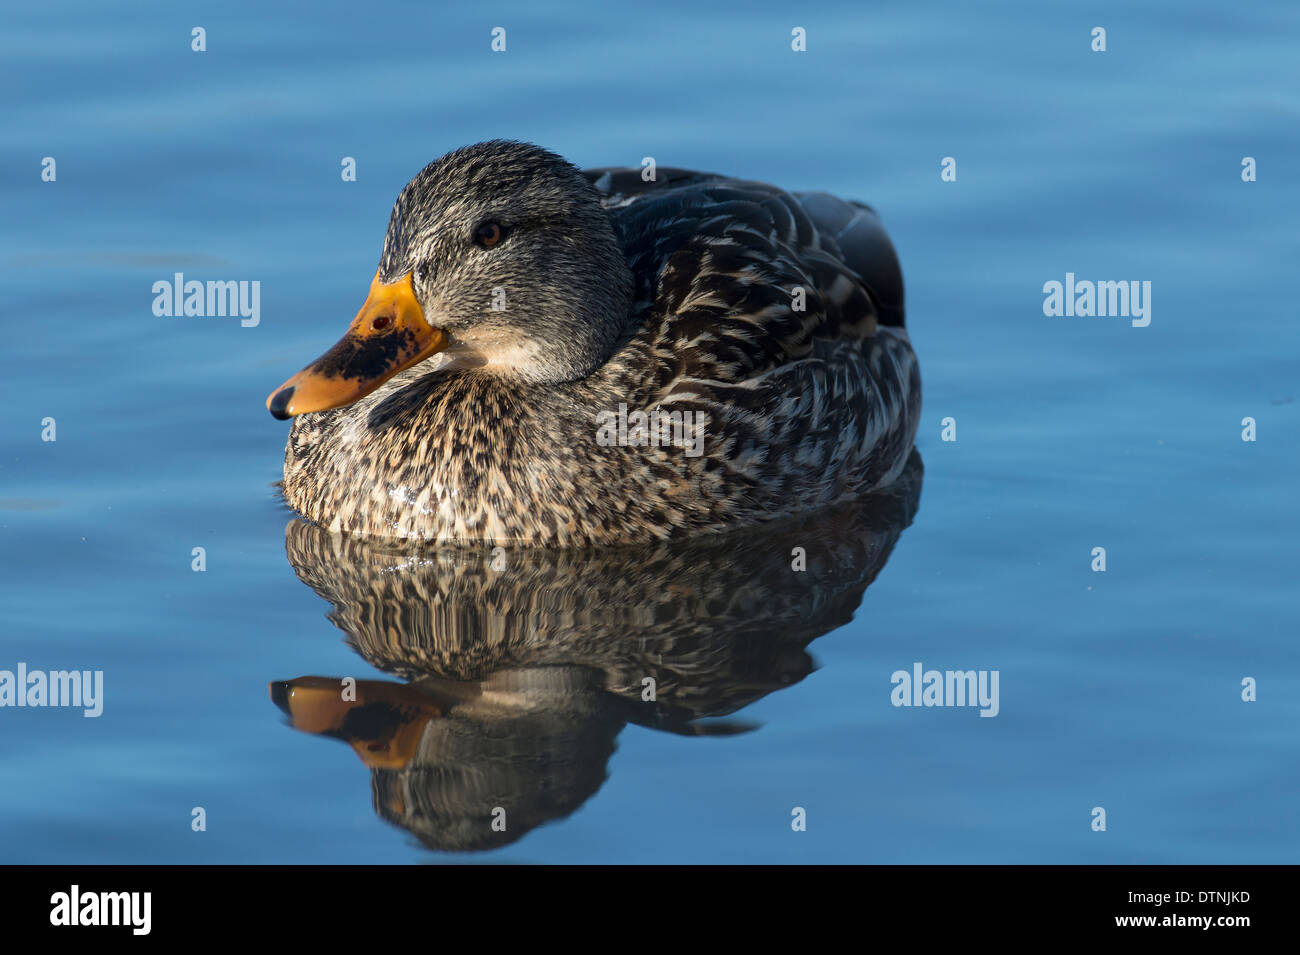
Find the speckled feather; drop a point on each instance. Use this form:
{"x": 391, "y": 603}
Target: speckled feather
{"x": 804, "y": 408}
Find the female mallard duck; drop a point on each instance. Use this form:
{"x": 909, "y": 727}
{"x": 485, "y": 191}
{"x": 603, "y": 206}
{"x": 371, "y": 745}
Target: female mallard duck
{"x": 559, "y": 357}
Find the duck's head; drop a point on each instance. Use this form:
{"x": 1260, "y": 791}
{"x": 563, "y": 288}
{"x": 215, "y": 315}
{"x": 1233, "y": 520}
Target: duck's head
{"x": 499, "y": 255}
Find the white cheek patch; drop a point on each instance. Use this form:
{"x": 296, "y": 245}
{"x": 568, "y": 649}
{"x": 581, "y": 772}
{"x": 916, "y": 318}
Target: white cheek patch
{"x": 502, "y": 350}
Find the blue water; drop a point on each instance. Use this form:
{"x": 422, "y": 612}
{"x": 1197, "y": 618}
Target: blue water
{"x": 1118, "y": 689}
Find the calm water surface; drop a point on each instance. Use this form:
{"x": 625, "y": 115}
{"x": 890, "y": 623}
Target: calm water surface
{"x": 1119, "y": 689}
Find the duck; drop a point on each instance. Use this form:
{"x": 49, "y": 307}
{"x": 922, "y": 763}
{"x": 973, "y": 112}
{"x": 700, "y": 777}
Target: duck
{"x": 559, "y": 357}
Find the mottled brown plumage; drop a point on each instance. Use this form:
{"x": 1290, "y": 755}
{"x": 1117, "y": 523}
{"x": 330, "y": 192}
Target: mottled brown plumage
{"x": 777, "y": 317}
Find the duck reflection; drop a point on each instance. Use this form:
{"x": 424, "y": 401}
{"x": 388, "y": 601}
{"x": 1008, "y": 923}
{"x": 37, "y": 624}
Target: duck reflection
{"x": 521, "y": 666}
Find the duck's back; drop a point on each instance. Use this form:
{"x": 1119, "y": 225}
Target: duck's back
{"x": 831, "y": 234}
{"x": 779, "y": 316}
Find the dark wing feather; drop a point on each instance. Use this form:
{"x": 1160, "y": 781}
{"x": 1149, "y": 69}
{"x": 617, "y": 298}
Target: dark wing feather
{"x": 801, "y": 398}
{"x": 863, "y": 245}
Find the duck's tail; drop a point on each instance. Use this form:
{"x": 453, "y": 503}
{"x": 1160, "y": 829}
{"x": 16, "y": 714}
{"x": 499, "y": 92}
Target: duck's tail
{"x": 864, "y": 246}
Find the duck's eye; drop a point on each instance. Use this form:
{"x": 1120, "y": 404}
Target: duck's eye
{"x": 489, "y": 234}
{"x": 421, "y": 272}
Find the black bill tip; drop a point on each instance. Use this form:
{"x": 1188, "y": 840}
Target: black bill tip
{"x": 279, "y": 406}
{"x": 280, "y": 694}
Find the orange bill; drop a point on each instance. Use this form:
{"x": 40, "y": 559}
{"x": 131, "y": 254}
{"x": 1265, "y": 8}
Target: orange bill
{"x": 383, "y": 722}
{"x": 389, "y": 335}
